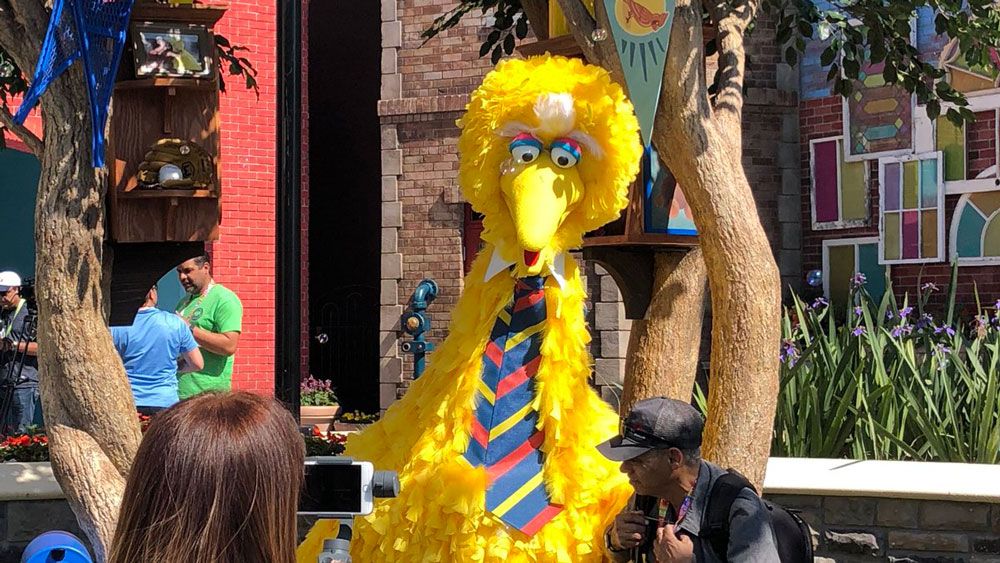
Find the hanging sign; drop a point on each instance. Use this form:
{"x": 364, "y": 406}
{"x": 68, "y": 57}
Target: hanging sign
{"x": 641, "y": 31}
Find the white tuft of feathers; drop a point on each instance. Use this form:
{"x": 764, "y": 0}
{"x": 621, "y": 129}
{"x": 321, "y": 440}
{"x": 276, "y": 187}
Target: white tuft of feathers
{"x": 556, "y": 114}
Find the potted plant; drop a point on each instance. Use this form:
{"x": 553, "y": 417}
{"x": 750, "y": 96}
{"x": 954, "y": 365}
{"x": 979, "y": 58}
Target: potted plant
{"x": 318, "y": 403}
{"x": 354, "y": 421}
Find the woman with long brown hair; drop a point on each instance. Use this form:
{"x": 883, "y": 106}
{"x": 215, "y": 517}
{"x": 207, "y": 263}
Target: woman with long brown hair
{"x": 216, "y": 480}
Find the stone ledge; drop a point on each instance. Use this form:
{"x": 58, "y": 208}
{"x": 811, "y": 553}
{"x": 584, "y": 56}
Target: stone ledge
{"x": 410, "y": 106}
{"x": 785, "y": 476}
{"x": 28, "y": 481}
{"x": 965, "y": 482}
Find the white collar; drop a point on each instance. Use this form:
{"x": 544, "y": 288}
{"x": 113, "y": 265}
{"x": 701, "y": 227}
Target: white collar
{"x": 557, "y": 268}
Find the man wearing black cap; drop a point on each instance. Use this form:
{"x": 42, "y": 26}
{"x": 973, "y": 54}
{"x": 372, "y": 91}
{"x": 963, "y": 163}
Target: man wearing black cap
{"x": 660, "y": 450}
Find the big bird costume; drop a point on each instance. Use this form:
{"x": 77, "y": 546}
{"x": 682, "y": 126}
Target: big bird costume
{"x": 495, "y": 443}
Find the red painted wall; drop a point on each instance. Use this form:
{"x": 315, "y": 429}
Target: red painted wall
{"x": 244, "y": 255}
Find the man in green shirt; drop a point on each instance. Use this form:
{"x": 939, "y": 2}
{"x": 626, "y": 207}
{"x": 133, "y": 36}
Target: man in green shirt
{"x": 215, "y": 316}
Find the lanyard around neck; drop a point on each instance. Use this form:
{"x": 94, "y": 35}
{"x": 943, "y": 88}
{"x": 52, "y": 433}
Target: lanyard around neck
{"x": 10, "y": 323}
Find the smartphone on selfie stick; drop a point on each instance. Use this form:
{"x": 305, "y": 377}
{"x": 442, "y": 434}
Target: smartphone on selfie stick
{"x": 342, "y": 488}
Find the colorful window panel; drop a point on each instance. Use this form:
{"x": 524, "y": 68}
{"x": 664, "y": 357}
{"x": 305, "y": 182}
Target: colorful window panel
{"x": 844, "y": 258}
{"x": 975, "y": 230}
{"x": 839, "y": 188}
{"x": 967, "y": 78}
{"x": 878, "y": 118}
{"x": 968, "y": 149}
{"x": 911, "y": 206}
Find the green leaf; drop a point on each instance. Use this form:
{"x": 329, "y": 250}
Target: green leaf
{"x": 521, "y": 29}
{"x": 791, "y": 56}
{"x": 497, "y": 53}
{"x": 933, "y": 109}
{"x": 508, "y": 44}
{"x": 485, "y": 48}
{"x": 805, "y": 29}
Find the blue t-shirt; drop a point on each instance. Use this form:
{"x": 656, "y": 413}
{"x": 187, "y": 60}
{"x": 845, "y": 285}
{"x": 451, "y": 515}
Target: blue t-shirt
{"x": 150, "y": 348}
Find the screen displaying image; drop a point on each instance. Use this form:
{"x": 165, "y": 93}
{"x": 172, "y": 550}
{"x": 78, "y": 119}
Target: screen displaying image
{"x": 331, "y": 488}
{"x": 170, "y": 53}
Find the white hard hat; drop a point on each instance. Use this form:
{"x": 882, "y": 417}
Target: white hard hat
{"x": 8, "y": 280}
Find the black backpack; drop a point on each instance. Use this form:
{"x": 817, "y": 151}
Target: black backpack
{"x": 794, "y": 541}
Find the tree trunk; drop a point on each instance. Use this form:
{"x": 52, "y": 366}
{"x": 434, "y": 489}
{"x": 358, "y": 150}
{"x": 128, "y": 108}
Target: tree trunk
{"x": 87, "y": 402}
{"x": 703, "y": 148}
{"x": 663, "y": 347}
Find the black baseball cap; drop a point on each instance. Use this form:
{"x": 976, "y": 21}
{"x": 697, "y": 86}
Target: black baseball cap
{"x": 655, "y": 424}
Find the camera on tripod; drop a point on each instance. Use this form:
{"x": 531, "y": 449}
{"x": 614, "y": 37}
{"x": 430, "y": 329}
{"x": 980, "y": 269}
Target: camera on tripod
{"x": 342, "y": 488}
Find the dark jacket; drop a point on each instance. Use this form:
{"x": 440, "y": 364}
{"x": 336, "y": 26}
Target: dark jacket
{"x": 750, "y": 535}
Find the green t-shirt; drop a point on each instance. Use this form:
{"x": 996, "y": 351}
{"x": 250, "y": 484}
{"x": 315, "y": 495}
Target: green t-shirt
{"x": 218, "y": 311}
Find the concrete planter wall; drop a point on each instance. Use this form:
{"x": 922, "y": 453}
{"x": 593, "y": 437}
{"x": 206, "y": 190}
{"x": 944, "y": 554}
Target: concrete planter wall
{"x": 860, "y": 510}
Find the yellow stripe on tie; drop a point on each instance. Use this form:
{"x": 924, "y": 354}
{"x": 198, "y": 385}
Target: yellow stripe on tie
{"x": 518, "y": 495}
{"x": 513, "y": 419}
{"x": 505, "y": 316}
{"x": 486, "y": 392}
{"x": 523, "y": 335}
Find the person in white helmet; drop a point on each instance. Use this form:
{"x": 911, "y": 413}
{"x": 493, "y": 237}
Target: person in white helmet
{"x": 14, "y": 344}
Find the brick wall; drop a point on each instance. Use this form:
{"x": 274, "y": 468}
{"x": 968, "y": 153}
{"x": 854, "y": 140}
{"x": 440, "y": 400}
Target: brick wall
{"x": 244, "y": 255}
{"x": 823, "y": 117}
{"x": 855, "y": 529}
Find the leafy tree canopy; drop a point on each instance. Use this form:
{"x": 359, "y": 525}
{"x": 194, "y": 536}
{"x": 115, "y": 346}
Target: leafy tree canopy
{"x": 855, "y": 31}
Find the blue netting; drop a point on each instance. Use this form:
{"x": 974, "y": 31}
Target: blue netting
{"x": 59, "y": 50}
{"x": 94, "y": 30}
{"x": 104, "y": 23}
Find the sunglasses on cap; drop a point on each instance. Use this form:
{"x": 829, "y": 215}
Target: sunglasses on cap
{"x": 641, "y": 436}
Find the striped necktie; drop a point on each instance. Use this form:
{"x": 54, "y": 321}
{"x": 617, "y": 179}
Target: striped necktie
{"x": 505, "y": 437}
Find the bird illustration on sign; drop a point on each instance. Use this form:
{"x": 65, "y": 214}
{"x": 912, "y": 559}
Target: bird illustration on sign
{"x": 643, "y": 15}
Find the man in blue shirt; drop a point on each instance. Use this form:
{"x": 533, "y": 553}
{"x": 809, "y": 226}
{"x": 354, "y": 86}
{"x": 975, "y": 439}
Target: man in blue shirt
{"x": 157, "y": 347}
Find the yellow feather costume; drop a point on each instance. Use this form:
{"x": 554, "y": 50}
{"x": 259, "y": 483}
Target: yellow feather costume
{"x": 539, "y": 207}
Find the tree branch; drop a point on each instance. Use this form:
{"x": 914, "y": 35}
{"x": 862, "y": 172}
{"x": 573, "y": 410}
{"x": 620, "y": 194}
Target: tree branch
{"x": 33, "y": 18}
{"x": 732, "y": 23}
{"x": 35, "y": 144}
{"x": 537, "y": 12}
{"x": 582, "y": 25}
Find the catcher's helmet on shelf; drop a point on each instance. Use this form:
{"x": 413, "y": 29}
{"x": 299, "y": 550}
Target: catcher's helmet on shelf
{"x": 195, "y": 165}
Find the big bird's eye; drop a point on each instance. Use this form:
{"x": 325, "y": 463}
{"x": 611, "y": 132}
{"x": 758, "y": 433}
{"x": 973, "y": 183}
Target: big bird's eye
{"x": 565, "y": 153}
{"x": 525, "y": 148}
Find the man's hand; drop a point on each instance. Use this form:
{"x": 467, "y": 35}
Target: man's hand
{"x": 628, "y": 530}
{"x": 672, "y": 548}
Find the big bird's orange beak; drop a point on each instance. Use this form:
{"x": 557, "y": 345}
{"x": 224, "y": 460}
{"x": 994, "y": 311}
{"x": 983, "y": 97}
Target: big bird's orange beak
{"x": 540, "y": 196}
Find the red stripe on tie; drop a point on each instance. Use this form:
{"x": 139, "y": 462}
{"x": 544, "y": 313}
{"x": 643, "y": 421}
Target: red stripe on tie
{"x": 494, "y": 353}
{"x": 479, "y": 433}
{"x": 543, "y": 517}
{"x": 518, "y": 377}
{"x": 529, "y": 300}
{"x": 515, "y": 457}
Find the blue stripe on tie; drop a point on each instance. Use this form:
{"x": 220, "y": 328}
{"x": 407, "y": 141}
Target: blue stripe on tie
{"x": 529, "y": 507}
{"x": 476, "y": 454}
{"x": 510, "y": 440}
{"x": 528, "y": 317}
{"x": 518, "y": 356}
{"x": 514, "y": 477}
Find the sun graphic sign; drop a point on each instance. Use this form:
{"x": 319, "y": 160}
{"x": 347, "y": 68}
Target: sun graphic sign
{"x": 641, "y": 31}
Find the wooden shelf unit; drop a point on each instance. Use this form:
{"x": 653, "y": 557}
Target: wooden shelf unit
{"x": 147, "y": 110}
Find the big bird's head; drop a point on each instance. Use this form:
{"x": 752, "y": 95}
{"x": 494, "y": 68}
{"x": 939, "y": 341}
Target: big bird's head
{"x": 548, "y": 148}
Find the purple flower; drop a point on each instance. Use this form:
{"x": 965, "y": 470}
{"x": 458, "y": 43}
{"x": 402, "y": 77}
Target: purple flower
{"x": 860, "y": 330}
{"x": 789, "y": 353}
{"x": 820, "y": 303}
{"x": 945, "y": 329}
{"x": 925, "y": 321}
{"x": 929, "y": 286}
{"x": 942, "y": 349}
{"x": 905, "y": 312}
{"x": 858, "y": 311}
{"x": 889, "y": 314}
{"x": 901, "y": 330}
{"x": 858, "y": 280}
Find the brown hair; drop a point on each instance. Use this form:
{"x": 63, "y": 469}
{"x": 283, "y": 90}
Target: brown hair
{"x": 217, "y": 479}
